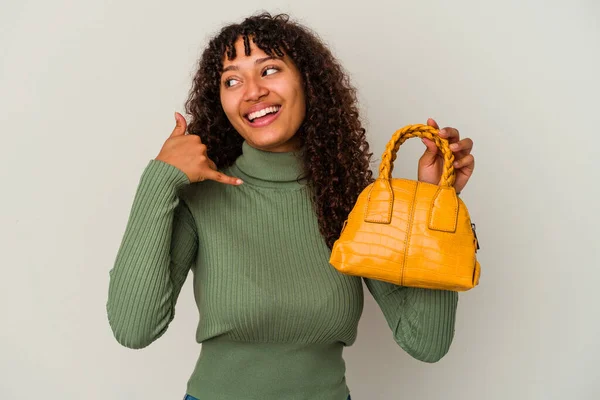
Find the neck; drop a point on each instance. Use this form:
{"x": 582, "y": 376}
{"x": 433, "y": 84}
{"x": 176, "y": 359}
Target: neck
{"x": 270, "y": 169}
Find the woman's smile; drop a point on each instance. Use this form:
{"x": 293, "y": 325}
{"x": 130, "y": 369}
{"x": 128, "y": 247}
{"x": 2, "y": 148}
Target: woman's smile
{"x": 263, "y": 117}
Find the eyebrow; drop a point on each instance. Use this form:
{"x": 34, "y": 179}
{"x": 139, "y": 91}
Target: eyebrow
{"x": 258, "y": 61}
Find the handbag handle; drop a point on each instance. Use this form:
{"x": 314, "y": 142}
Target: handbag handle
{"x": 381, "y": 196}
{"x": 423, "y": 131}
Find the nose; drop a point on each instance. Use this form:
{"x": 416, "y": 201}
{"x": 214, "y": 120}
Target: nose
{"x": 255, "y": 90}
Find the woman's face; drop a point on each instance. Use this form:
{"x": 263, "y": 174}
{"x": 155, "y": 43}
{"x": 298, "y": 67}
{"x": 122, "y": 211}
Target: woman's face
{"x": 263, "y": 98}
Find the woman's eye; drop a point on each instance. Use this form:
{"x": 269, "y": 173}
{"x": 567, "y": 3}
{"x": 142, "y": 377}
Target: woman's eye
{"x": 228, "y": 82}
{"x": 275, "y": 69}
{"x": 267, "y": 71}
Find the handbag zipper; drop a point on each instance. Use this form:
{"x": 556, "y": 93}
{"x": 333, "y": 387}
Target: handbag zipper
{"x": 475, "y": 233}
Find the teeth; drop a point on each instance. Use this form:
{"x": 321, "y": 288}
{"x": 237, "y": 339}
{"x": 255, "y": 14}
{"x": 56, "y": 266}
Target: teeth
{"x": 263, "y": 112}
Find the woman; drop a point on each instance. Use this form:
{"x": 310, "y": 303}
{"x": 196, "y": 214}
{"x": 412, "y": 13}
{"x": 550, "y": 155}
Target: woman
{"x": 251, "y": 196}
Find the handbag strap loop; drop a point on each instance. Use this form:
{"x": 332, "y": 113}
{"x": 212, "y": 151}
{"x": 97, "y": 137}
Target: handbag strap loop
{"x": 422, "y": 131}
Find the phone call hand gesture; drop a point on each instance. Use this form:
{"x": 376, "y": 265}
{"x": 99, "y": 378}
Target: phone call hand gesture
{"x": 188, "y": 153}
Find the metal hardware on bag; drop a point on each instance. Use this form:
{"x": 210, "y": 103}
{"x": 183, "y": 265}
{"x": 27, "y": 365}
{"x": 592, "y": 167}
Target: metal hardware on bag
{"x": 475, "y": 233}
{"x": 343, "y": 226}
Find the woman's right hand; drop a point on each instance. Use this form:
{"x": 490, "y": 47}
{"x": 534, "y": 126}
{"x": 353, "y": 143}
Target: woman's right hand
{"x": 188, "y": 153}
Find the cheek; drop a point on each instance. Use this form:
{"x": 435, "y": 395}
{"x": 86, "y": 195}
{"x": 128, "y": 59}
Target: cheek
{"x": 295, "y": 95}
{"x": 229, "y": 107}
{"x": 301, "y": 101}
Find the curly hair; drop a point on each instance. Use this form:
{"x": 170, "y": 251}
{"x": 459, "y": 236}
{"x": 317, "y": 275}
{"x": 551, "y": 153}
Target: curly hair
{"x": 336, "y": 159}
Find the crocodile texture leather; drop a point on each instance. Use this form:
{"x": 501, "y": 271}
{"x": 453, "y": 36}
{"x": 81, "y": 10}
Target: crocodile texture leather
{"x": 407, "y": 232}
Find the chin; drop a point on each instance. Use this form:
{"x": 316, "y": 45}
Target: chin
{"x": 270, "y": 141}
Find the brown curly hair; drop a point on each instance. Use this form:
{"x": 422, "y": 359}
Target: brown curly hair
{"x": 336, "y": 157}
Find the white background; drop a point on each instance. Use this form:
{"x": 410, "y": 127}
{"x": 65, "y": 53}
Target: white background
{"x": 87, "y": 95}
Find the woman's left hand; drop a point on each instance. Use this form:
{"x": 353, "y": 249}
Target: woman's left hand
{"x": 431, "y": 162}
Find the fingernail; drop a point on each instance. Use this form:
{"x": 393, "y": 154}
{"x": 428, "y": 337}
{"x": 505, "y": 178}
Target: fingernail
{"x": 455, "y": 163}
{"x": 454, "y": 146}
{"x": 239, "y": 181}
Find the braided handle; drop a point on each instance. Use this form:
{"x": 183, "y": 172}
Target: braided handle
{"x": 422, "y": 131}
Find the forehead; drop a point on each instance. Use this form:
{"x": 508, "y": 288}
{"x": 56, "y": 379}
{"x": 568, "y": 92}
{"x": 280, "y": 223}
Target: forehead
{"x": 240, "y": 54}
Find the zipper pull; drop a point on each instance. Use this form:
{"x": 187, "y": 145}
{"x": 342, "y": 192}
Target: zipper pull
{"x": 343, "y": 227}
{"x": 475, "y": 233}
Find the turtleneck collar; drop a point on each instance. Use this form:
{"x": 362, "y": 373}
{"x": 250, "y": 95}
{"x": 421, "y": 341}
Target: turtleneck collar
{"x": 269, "y": 169}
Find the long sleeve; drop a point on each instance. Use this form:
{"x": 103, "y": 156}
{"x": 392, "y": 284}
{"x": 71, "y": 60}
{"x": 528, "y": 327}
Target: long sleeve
{"x": 156, "y": 253}
{"x": 422, "y": 320}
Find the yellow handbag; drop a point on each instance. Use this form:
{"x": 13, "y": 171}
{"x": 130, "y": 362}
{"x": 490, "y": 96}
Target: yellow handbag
{"x": 407, "y": 232}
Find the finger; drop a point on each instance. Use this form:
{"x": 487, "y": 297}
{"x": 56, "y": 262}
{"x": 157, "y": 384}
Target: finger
{"x": 451, "y": 134}
{"x": 220, "y": 177}
{"x": 430, "y": 144}
{"x": 431, "y": 122}
{"x": 465, "y": 164}
{"x": 180, "y": 125}
{"x": 463, "y": 147}
{"x": 430, "y": 155}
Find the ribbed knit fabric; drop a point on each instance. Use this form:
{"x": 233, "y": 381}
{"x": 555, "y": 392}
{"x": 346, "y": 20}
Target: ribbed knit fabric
{"x": 274, "y": 314}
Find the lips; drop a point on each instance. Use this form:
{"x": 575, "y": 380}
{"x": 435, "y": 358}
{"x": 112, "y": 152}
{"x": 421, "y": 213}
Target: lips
{"x": 258, "y": 107}
{"x": 263, "y": 121}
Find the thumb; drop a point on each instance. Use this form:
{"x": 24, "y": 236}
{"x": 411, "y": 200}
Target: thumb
{"x": 180, "y": 125}
{"x": 430, "y": 155}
